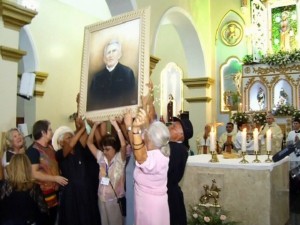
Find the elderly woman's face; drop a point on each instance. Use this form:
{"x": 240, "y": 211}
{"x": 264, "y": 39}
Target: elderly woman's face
{"x": 112, "y": 55}
{"x": 66, "y": 139}
{"x": 17, "y": 140}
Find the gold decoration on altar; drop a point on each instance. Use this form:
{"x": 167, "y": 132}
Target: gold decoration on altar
{"x": 283, "y": 69}
{"x": 210, "y": 193}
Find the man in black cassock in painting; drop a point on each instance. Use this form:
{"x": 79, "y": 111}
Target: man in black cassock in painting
{"x": 113, "y": 86}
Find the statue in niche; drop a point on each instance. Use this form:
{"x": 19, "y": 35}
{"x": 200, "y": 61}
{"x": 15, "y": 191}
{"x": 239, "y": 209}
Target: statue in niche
{"x": 228, "y": 99}
{"x": 285, "y": 32}
{"x": 261, "y": 98}
{"x": 171, "y": 108}
{"x": 283, "y": 98}
{"x": 237, "y": 78}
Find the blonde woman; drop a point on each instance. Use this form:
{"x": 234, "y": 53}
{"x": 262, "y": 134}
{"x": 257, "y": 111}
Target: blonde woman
{"x": 21, "y": 200}
{"x": 14, "y": 143}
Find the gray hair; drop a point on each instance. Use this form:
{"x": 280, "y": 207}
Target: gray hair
{"x": 113, "y": 42}
{"x": 159, "y": 135}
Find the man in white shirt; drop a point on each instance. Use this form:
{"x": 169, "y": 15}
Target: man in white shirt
{"x": 292, "y": 138}
{"x": 238, "y": 140}
{"x": 227, "y": 139}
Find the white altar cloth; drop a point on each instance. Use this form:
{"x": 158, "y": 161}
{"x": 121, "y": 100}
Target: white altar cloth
{"x": 203, "y": 161}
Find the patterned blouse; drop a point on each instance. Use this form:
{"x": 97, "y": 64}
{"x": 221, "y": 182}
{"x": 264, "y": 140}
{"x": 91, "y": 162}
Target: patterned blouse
{"x": 116, "y": 173}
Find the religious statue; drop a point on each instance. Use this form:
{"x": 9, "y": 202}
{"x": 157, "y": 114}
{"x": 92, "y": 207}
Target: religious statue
{"x": 237, "y": 79}
{"x": 283, "y": 98}
{"x": 261, "y": 98}
{"x": 171, "y": 108}
{"x": 285, "y": 32}
{"x": 210, "y": 193}
{"x": 228, "y": 99}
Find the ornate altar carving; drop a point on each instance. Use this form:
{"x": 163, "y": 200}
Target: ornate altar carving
{"x": 280, "y": 85}
{"x": 210, "y": 193}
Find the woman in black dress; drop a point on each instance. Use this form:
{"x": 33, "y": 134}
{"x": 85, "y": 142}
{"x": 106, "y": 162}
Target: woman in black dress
{"x": 78, "y": 202}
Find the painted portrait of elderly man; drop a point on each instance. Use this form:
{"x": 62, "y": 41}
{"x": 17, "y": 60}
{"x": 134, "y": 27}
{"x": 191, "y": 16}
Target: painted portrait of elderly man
{"x": 114, "y": 85}
{"x": 115, "y": 66}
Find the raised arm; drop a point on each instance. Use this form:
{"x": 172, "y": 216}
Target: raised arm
{"x": 148, "y": 104}
{"x": 90, "y": 140}
{"x": 140, "y": 151}
{"x": 121, "y": 138}
{"x": 68, "y": 147}
{"x": 128, "y": 124}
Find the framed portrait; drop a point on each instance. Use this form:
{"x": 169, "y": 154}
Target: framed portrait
{"x": 115, "y": 66}
{"x": 232, "y": 33}
{"x": 284, "y": 25}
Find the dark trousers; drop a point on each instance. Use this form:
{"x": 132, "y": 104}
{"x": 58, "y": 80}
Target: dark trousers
{"x": 176, "y": 206}
{"x": 50, "y": 219}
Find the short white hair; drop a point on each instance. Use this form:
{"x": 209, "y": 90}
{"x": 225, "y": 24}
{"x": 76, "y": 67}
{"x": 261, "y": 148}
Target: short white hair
{"x": 159, "y": 135}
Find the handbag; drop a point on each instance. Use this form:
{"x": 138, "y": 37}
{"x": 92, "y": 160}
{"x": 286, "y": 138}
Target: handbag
{"x": 121, "y": 201}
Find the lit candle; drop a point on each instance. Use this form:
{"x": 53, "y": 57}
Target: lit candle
{"x": 269, "y": 142}
{"x": 212, "y": 139}
{"x": 255, "y": 139}
{"x": 240, "y": 108}
{"x": 244, "y": 139}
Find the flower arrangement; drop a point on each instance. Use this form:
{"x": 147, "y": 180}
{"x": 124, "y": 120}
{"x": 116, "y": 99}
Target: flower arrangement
{"x": 202, "y": 215}
{"x": 259, "y": 118}
{"x": 279, "y": 58}
{"x": 240, "y": 117}
{"x": 296, "y": 115}
{"x": 284, "y": 110}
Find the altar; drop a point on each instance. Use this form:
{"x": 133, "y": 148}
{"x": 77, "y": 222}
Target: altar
{"x": 253, "y": 193}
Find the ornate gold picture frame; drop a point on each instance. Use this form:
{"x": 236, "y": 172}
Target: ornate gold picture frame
{"x": 104, "y": 93}
{"x": 232, "y": 33}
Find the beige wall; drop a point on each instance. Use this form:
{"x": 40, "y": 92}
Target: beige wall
{"x": 57, "y": 37}
{"x": 58, "y": 32}
{"x": 8, "y": 79}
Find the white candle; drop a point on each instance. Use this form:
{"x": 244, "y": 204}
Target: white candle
{"x": 244, "y": 139}
{"x": 240, "y": 107}
{"x": 255, "y": 139}
{"x": 212, "y": 139}
{"x": 269, "y": 142}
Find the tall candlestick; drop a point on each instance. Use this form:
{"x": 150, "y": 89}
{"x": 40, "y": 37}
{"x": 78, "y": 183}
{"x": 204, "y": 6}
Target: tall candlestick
{"x": 269, "y": 142}
{"x": 212, "y": 139}
{"x": 244, "y": 139}
{"x": 255, "y": 139}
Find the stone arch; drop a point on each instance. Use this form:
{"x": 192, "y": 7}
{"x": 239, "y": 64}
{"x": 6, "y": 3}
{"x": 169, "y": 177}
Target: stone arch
{"x": 27, "y": 108}
{"x": 188, "y": 35}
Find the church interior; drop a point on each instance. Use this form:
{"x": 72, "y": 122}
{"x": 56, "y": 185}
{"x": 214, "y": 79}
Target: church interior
{"x": 213, "y": 60}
